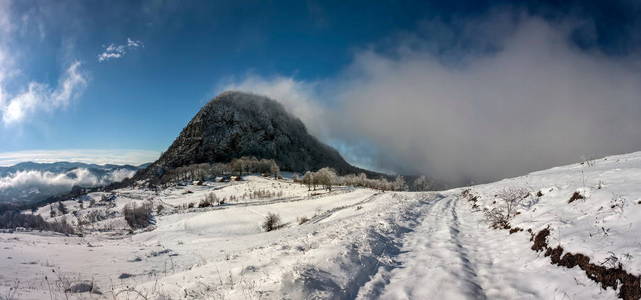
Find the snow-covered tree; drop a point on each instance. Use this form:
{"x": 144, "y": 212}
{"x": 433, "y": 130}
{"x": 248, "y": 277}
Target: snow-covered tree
{"x": 326, "y": 177}
{"x": 399, "y": 183}
{"x": 421, "y": 183}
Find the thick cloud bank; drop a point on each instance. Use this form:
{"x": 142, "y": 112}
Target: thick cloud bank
{"x": 36, "y": 184}
{"x": 523, "y": 97}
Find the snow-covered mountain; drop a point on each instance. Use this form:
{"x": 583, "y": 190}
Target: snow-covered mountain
{"x": 569, "y": 232}
{"x": 29, "y": 181}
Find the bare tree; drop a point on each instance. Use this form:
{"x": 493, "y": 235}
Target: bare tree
{"x": 512, "y": 198}
{"x": 138, "y": 216}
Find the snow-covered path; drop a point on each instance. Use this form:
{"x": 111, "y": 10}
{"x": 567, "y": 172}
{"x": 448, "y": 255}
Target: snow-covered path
{"x": 452, "y": 254}
{"x": 436, "y": 263}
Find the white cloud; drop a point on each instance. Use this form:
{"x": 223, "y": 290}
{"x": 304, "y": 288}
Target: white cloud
{"x": 533, "y": 102}
{"x": 32, "y": 185}
{"x": 26, "y": 98}
{"x": 298, "y": 97}
{"x": 41, "y": 97}
{"x": 119, "y": 175}
{"x": 71, "y": 85}
{"x": 24, "y": 179}
{"x": 101, "y": 157}
{"x": 117, "y": 51}
{"x": 133, "y": 44}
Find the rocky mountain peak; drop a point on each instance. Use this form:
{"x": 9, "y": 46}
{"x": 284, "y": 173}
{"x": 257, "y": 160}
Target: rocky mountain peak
{"x": 236, "y": 124}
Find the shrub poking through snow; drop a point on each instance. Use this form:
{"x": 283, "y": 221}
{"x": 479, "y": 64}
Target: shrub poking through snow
{"x": 576, "y": 196}
{"x": 61, "y": 226}
{"x": 84, "y": 287}
{"x": 272, "y": 222}
{"x": 62, "y": 208}
{"x": 264, "y": 194}
{"x": 512, "y": 198}
{"x": 499, "y": 218}
{"x": 204, "y": 203}
{"x": 302, "y": 220}
{"x": 138, "y": 216}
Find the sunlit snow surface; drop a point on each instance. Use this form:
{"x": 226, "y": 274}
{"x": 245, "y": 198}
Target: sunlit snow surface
{"x": 358, "y": 243}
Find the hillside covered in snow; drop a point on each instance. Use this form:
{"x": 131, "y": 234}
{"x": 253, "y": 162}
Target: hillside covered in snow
{"x": 570, "y": 232}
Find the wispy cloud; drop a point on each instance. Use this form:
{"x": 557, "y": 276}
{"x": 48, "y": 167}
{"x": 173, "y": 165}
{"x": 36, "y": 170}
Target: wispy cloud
{"x": 20, "y": 99}
{"x": 5, "y": 21}
{"x": 114, "y": 51}
{"x": 41, "y": 97}
{"x": 117, "y": 156}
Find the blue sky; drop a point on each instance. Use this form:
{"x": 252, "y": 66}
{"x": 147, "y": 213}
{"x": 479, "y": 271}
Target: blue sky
{"x": 162, "y": 60}
{"x": 144, "y": 98}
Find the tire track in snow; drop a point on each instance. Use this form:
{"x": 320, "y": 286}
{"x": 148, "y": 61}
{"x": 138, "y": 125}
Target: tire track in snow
{"x": 436, "y": 263}
{"x": 329, "y": 213}
{"x": 469, "y": 270}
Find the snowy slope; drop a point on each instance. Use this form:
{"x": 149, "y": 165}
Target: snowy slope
{"x": 358, "y": 243}
{"x": 454, "y": 254}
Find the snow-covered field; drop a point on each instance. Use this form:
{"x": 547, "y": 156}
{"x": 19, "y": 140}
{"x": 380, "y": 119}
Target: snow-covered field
{"x": 357, "y": 243}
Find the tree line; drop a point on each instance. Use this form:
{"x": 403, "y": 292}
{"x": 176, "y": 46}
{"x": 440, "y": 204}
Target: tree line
{"x": 208, "y": 171}
{"x": 327, "y": 177}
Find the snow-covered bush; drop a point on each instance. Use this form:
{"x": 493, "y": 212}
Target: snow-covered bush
{"x": 326, "y": 177}
{"x": 210, "y": 200}
{"x": 272, "y": 222}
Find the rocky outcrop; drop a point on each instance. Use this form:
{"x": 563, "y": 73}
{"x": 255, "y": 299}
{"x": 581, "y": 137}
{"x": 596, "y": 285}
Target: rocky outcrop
{"x": 236, "y": 124}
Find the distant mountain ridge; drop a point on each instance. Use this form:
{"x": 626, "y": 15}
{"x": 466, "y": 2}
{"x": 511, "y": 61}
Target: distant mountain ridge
{"x": 236, "y": 124}
{"x": 62, "y": 166}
